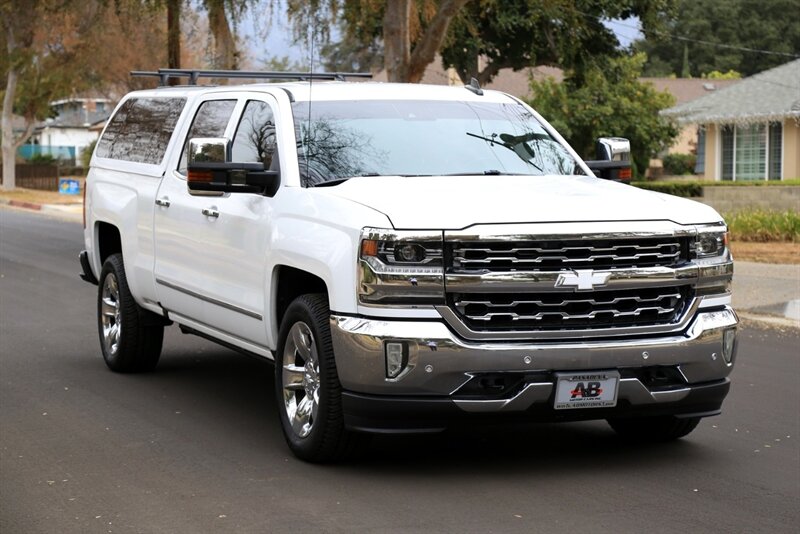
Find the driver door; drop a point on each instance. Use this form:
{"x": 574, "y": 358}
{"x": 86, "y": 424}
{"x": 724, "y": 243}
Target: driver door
{"x": 211, "y": 248}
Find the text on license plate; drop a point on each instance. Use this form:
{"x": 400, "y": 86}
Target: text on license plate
{"x": 594, "y": 389}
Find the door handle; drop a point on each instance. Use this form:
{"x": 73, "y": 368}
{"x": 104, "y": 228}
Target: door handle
{"x": 163, "y": 202}
{"x": 211, "y": 212}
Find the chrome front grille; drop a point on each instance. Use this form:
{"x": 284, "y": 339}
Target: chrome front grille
{"x": 492, "y": 256}
{"x": 568, "y": 311}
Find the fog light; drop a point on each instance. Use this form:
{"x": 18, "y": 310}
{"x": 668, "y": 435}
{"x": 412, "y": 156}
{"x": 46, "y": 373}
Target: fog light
{"x": 728, "y": 344}
{"x": 396, "y": 359}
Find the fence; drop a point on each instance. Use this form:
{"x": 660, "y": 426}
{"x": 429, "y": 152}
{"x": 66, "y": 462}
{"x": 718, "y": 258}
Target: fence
{"x": 43, "y": 177}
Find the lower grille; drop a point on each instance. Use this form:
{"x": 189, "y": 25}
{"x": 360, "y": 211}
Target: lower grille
{"x": 570, "y": 311}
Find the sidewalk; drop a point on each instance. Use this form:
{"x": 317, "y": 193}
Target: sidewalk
{"x": 767, "y": 289}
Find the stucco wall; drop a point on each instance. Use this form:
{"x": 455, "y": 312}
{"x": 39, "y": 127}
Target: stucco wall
{"x": 686, "y": 142}
{"x": 791, "y": 149}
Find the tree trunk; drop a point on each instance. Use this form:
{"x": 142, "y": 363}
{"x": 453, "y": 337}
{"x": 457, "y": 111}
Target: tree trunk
{"x": 403, "y": 65}
{"x": 174, "y": 34}
{"x": 225, "y": 56}
{"x": 427, "y": 47}
{"x": 9, "y": 148}
{"x": 397, "y": 39}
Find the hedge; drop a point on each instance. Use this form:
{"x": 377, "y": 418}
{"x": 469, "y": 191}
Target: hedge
{"x": 695, "y": 188}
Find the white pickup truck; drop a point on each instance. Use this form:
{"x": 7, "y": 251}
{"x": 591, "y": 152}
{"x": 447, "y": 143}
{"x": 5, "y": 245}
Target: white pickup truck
{"x": 411, "y": 257}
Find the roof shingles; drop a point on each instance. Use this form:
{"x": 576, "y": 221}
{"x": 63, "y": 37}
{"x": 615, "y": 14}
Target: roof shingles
{"x": 772, "y": 95}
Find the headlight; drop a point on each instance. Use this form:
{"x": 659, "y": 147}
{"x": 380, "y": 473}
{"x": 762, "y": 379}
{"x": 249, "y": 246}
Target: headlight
{"x": 711, "y": 242}
{"x": 400, "y": 268}
{"x": 715, "y": 266}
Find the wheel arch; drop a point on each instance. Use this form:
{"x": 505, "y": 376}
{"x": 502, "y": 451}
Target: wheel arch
{"x": 289, "y": 283}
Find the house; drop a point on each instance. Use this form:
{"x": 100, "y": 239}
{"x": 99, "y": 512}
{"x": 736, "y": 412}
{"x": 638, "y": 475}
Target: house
{"x": 73, "y": 128}
{"x": 686, "y": 90}
{"x": 749, "y": 130}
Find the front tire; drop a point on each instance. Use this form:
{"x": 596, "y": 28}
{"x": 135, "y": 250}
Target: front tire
{"x": 654, "y": 429}
{"x": 130, "y": 336}
{"x": 307, "y": 387}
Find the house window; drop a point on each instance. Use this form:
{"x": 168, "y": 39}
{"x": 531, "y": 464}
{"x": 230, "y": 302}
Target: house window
{"x": 751, "y": 152}
{"x": 700, "y": 164}
{"x": 727, "y": 152}
{"x": 775, "y": 147}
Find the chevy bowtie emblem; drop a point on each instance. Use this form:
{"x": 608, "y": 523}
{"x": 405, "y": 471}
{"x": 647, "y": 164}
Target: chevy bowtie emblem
{"x": 582, "y": 279}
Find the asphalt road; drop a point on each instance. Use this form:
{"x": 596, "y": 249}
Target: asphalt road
{"x": 196, "y": 446}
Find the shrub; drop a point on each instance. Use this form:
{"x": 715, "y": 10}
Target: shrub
{"x": 42, "y": 159}
{"x": 695, "y": 188}
{"x": 679, "y": 189}
{"x": 759, "y": 225}
{"x": 86, "y": 154}
{"x": 679, "y": 163}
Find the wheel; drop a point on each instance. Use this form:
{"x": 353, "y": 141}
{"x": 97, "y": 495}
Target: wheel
{"x": 130, "y": 336}
{"x": 307, "y": 386}
{"x": 654, "y": 429}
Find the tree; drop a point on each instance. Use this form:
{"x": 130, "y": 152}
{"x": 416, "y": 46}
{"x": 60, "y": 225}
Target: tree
{"x": 412, "y": 31}
{"x": 608, "y": 100}
{"x": 225, "y": 54}
{"x": 174, "y": 34}
{"x": 405, "y": 59}
{"x": 716, "y": 35}
{"x": 18, "y": 32}
{"x": 42, "y": 61}
{"x": 55, "y": 49}
{"x": 522, "y": 33}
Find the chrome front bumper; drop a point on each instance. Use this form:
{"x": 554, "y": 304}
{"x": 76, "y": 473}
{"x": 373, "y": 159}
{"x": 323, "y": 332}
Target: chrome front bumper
{"x": 439, "y": 362}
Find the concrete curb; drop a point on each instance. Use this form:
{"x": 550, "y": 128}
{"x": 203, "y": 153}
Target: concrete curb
{"x": 68, "y": 211}
{"x": 770, "y": 320}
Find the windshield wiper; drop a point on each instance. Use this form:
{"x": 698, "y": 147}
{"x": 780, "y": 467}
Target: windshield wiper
{"x": 337, "y": 181}
{"x": 327, "y": 183}
{"x": 516, "y": 144}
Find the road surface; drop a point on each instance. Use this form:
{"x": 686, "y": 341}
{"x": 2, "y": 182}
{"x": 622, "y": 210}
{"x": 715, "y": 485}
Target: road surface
{"x": 196, "y": 446}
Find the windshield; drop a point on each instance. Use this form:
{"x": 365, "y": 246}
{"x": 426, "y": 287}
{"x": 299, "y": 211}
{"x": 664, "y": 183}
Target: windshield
{"x": 344, "y": 139}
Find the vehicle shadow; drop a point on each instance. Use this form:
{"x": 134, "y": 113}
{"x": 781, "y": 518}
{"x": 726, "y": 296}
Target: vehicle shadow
{"x": 236, "y": 394}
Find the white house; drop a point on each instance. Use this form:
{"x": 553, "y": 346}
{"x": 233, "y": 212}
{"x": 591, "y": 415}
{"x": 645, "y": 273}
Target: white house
{"x": 70, "y": 131}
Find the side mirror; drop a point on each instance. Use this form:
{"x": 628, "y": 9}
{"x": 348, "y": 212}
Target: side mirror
{"x": 613, "y": 159}
{"x": 613, "y": 149}
{"x": 208, "y": 150}
{"x": 210, "y": 170}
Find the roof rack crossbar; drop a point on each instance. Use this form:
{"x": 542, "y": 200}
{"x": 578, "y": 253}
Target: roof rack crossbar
{"x": 194, "y": 74}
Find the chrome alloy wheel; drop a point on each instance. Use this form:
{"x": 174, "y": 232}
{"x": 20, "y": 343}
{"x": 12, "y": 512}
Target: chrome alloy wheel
{"x": 111, "y": 314}
{"x": 300, "y": 379}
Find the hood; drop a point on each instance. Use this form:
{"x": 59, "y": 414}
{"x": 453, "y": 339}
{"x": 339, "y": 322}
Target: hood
{"x": 457, "y": 202}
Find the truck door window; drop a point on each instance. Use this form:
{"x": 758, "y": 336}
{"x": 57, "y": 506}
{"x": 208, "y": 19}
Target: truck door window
{"x": 210, "y": 120}
{"x": 255, "y": 136}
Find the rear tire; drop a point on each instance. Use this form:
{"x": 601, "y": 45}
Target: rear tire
{"x": 307, "y": 388}
{"x": 654, "y": 429}
{"x": 130, "y": 337}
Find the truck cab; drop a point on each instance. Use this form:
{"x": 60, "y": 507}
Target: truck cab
{"x": 409, "y": 256}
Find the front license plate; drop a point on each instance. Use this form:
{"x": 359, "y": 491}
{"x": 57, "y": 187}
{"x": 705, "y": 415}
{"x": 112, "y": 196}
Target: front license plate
{"x": 595, "y": 389}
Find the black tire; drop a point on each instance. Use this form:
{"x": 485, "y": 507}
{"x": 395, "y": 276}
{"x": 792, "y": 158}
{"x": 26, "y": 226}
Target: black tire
{"x": 654, "y": 429}
{"x": 323, "y": 437}
{"x": 136, "y": 346}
